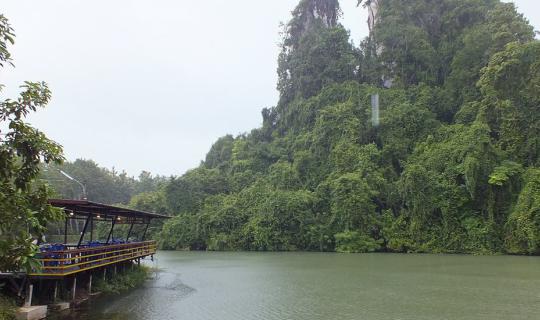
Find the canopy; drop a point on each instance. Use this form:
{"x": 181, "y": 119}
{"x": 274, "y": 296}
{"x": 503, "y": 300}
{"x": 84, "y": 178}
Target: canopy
{"x": 99, "y": 211}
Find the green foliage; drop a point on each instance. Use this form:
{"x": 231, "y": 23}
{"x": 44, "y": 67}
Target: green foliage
{"x": 443, "y": 39}
{"x": 510, "y": 85}
{"x": 351, "y": 202}
{"x": 450, "y": 168}
{"x": 130, "y": 278}
{"x": 503, "y": 173}
{"x": 442, "y": 182}
{"x": 220, "y": 153}
{"x": 7, "y": 37}
{"x": 182, "y": 232}
{"x": 315, "y": 51}
{"x": 523, "y": 228}
{"x": 7, "y": 308}
{"x": 187, "y": 193}
{"x": 102, "y": 185}
{"x": 149, "y": 202}
{"x": 403, "y": 126}
{"x": 24, "y": 210}
{"x": 354, "y": 242}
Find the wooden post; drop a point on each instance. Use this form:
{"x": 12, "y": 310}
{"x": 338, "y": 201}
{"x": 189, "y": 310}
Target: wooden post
{"x": 28, "y": 298}
{"x": 81, "y": 238}
{"x": 74, "y": 288}
{"x": 90, "y": 284}
{"x": 129, "y": 232}
{"x": 112, "y": 230}
{"x": 65, "y": 230}
{"x": 114, "y": 269}
{"x": 55, "y": 292}
{"x": 21, "y": 287}
{"x": 104, "y": 273}
{"x": 91, "y": 228}
{"x": 145, "y": 230}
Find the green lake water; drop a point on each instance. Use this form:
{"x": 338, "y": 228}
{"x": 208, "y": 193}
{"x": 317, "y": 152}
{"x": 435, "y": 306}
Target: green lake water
{"x": 302, "y": 286}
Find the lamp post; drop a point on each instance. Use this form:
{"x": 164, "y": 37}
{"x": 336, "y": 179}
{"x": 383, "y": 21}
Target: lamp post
{"x": 73, "y": 179}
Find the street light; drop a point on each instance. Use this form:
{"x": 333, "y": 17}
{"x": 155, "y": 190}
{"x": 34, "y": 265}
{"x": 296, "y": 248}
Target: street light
{"x": 73, "y": 179}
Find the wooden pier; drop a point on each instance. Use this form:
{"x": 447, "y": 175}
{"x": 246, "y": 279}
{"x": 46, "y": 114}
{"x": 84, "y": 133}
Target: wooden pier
{"x": 65, "y": 269}
{"x": 72, "y": 261}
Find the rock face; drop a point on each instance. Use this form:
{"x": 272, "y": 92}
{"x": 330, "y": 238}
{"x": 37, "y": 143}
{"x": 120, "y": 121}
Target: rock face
{"x": 373, "y": 8}
{"x": 310, "y": 12}
{"x": 325, "y": 10}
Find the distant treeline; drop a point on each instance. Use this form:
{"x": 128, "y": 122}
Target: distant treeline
{"x": 102, "y": 185}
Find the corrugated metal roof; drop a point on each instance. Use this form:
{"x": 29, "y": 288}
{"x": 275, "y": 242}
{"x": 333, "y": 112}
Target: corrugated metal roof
{"x": 86, "y": 207}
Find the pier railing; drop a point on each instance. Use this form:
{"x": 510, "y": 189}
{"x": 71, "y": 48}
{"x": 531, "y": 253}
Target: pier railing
{"x": 67, "y": 262}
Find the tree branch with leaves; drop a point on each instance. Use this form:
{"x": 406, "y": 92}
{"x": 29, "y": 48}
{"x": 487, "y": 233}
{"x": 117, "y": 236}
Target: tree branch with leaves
{"x": 24, "y": 209}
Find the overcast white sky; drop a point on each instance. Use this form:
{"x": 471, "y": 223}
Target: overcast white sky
{"x": 150, "y": 85}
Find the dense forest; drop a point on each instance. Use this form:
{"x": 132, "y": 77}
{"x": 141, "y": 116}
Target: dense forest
{"x": 452, "y": 167}
{"x": 101, "y": 184}
{"x": 452, "y": 164}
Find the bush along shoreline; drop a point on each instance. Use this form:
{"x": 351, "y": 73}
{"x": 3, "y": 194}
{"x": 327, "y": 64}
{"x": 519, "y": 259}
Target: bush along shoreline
{"x": 124, "y": 280}
{"x": 7, "y": 308}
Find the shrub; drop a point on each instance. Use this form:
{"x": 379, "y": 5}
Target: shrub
{"x": 353, "y": 242}
{"x": 123, "y": 281}
{"x": 7, "y": 308}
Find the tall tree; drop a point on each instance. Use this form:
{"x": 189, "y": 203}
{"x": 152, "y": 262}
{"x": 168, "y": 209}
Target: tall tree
{"x": 24, "y": 210}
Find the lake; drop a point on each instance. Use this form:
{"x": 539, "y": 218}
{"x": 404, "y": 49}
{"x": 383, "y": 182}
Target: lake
{"x": 298, "y": 286}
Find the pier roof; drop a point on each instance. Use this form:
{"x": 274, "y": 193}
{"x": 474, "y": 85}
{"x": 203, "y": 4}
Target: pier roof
{"x": 98, "y": 210}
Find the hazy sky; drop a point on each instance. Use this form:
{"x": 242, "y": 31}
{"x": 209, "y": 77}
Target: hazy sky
{"x": 150, "y": 85}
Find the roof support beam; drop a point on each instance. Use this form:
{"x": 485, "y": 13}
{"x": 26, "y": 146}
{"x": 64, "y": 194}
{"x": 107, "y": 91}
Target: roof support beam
{"x": 145, "y": 229}
{"x": 84, "y": 231}
{"x": 65, "y": 229}
{"x": 129, "y": 232}
{"x": 111, "y": 232}
{"x": 91, "y": 228}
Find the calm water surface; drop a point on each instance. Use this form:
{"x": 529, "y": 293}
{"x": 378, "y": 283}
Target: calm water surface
{"x": 298, "y": 286}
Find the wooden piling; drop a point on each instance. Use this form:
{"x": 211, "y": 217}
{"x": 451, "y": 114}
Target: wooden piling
{"x": 74, "y": 289}
{"x": 90, "y": 284}
{"x": 55, "y": 292}
{"x": 29, "y": 293}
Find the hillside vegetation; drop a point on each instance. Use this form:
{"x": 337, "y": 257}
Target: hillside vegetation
{"x": 453, "y": 166}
